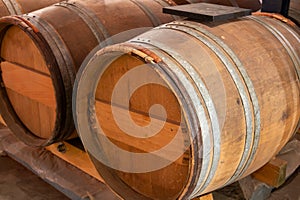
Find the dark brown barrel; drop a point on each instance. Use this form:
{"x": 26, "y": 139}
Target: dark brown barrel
{"x": 254, "y": 5}
{"x": 222, "y": 99}
{"x": 17, "y": 7}
{"x": 42, "y": 51}
{"x": 294, "y": 11}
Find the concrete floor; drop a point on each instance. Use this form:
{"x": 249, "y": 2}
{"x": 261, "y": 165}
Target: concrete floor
{"x": 18, "y": 183}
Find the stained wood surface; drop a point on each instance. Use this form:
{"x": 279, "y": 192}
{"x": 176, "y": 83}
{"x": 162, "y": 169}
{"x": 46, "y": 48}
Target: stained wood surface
{"x": 273, "y": 173}
{"x": 65, "y": 177}
{"x": 205, "y": 197}
{"x": 77, "y": 158}
{"x": 28, "y": 83}
{"x": 2, "y": 121}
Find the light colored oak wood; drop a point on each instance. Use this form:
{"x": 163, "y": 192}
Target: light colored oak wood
{"x": 273, "y": 173}
{"x": 144, "y": 97}
{"x": 77, "y": 158}
{"x": 32, "y": 96}
{"x": 18, "y": 47}
{"x": 162, "y": 183}
{"x": 205, "y": 197}
{"x": 28, "y": 83}
{"x": 2, "y": 121}
{"x": 112, "y": 131}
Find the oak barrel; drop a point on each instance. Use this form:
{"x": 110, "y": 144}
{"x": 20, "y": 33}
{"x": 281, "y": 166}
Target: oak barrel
{"x": 41, "y": 52}
{"x": 188, "y": 108}
{"x": 294, "y": 11}
{"x": 17, "y": 7}
{"x": 254, "y": 5}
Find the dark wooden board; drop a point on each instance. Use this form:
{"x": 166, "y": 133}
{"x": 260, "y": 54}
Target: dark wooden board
{"x": 207, "y": 12}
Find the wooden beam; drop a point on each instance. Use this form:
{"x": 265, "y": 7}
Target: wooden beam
{"x": 77, "y": 158}
{"x": 205, "y": 197}
{"x": 273, "y": 173}
{"x": 2, "y": 121}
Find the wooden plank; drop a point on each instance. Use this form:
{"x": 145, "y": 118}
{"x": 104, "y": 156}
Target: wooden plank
{"x": 2, "y": 121}
{"x": 63, "y": 176}
{"x": 77, "y": 158}
{"x": 205, "y": 197}
{"x": 273, "y": 173}
{"x": 207, "y": 12}
{"x": 254, "y": 189}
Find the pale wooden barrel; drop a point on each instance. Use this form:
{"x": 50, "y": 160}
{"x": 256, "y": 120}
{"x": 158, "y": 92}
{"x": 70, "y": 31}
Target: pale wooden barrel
{"x": 230, "y": 90}
{"x": 42, "y": 51}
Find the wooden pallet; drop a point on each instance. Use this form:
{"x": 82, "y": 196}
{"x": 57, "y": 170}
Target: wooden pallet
{"x": 67, "y": 177}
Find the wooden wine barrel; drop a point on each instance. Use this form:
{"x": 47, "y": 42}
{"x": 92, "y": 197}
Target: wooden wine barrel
{"x": 294, "y": 11}
{"x": 254, "y": 5}
{"x": 17, "y": 7}
{"x": 230, "y": 91}
{"x": 41, "y": 52}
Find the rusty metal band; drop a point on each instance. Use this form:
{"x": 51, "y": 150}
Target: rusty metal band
{"x": 91, "y": 20}
{"x": 65, "y": 64}
{"x": 154, "y": 20}
{"x": 57, "y": 45}
{"x": 282, "y": 39}
{"x": 215, "y": 139}
{"x": 13, "y": 7}
{"x": 219, "y": 47}
{"x": 212, "y": 144}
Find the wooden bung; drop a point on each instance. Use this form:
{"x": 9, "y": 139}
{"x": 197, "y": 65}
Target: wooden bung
{"x": 231, "y": 99}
